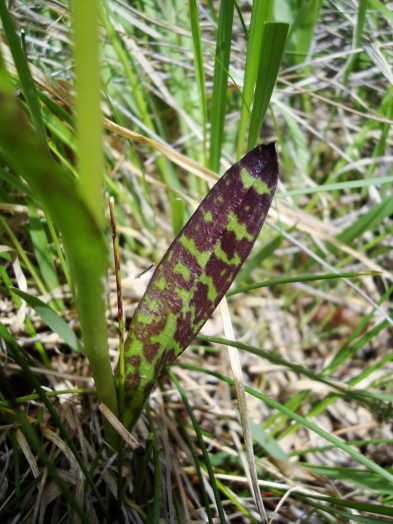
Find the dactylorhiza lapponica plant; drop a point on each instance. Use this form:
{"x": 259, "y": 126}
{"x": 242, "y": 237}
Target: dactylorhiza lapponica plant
{"x": 196, "y": 272}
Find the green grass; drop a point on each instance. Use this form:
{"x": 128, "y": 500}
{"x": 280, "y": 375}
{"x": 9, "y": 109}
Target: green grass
{"x": 316, "y": 355}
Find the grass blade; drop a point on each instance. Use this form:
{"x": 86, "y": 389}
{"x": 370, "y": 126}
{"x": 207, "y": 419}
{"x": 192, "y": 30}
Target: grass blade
{"x": 375, "y": 4}
{"x": 289, "y": 280}
{"x": 366, "y": 222}
{"x": 341, "y": 387}
{"x": 157, "y": 472}
{"x": 16, "y": 351}
{"x": 350, "y": 184}
{"x": 20, "y": 61}
{"x": 49, "y": 464}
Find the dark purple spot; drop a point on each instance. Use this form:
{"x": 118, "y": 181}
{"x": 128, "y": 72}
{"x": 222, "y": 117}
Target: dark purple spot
{"x": 150, "y": 351}
{"x": 184, "y": 330}
{"x": 229, "y": 243}
{"x": 132, "y": 381}
{"x": 255, "y": 216}
{"x": 133, "y": 360}
{"x": 163, "y": 362}
{"x": 218, "y": 270}
{"x": 201, "y": 303}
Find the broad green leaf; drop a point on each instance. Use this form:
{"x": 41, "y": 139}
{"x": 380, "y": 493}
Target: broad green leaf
{"x": 48, "y": 315}
{"x": 366, "y": 222}
{"x": 177, "y": 215}
{"x": 42, "y": 253}
{"x": 375, "y": 4}
{"x": 88, "y": 99}
{"x": 268, "y": 442}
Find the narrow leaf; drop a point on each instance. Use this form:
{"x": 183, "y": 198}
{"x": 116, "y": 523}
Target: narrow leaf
{"x": 243, "y": 409}
{"x": 202, "y": 445}
{"x": 15, "y": 182}
{"x": 196, "y": 272}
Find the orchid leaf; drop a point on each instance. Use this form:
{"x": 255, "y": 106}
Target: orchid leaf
{"x": 48, "y": 315}
{"x": 196, "y": 272}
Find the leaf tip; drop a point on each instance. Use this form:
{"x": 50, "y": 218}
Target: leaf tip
{"x": 261, "y": 162}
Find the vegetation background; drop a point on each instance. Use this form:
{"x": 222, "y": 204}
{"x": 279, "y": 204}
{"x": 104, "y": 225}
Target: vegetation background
{"x": 315, "y": 353}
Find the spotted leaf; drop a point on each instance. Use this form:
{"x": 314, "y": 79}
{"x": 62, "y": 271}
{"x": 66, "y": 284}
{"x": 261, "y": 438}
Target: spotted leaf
{"x": 196, "y": 272}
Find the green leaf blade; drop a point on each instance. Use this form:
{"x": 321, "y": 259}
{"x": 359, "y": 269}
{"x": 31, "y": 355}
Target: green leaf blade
{"x": 220, "y": 82}
{"x": 260, "y": 14}
{"x": 54, "y": 321}
{"x": 177, "y": 215}
{"x": 273, "y": 44}
{"x": 43, "y": 254}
